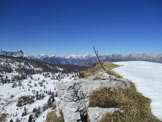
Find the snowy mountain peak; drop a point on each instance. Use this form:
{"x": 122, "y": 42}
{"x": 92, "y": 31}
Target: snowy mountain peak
{"x": 42, "y": 55}
{"x": 18, "y": 53}
{"x": 76, "y": 55}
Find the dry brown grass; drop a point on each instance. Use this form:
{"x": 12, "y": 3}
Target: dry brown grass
{"x": 3, "y": 117}
{"x": 97, "y": 78}
{"x": 111, "y": 72}
{"x": 136, "y": 107}
{"x": 51, "y": 117}
{"x": 96, "y": 68}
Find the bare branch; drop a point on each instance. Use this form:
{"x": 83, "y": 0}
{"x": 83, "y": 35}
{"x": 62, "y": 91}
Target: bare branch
{"x": 96, "y": 52}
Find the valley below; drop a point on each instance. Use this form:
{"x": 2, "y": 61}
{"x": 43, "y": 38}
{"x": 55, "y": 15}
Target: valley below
{"x": 36, "y": 91}
{"x": 28, "y": 88}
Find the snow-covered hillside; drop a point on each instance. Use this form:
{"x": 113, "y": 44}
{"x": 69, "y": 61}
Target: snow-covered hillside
{"x": 28, "y": 88}
{"x": 147, "y": 77}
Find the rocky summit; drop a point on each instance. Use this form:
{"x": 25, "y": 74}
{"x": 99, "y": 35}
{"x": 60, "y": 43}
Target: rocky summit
{"x": 73, "y": 97}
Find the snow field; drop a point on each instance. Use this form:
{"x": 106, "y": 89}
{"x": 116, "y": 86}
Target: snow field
{"x": 147, "y": 77}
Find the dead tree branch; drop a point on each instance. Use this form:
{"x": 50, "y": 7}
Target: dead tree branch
{"x": 96, "y": 53}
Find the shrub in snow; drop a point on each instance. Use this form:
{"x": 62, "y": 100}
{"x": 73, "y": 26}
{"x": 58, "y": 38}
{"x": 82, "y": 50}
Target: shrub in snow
{"x": 51, "y": 100}
{"x": 19, "y": 83}
{"x": 37, "y": 112}
{"x": 5, "y": 68}
{"x": 24, "y": 100}
{"x": 40, "y": 96}
{"x": 11, "y": 120}
{"x": 12, "y": 96}
{"x": 45, "y": 106}
{"x": 25, "y": 112}
{"x": 34, "y": 110}
{"x": 35, "y": 84}
{"x": 41, "y": 84}
{"x": 31, "y": 77}
{"x": 14, "y": 85}
{"x": 17, "y": 120}
{"x": 30, "y": 118}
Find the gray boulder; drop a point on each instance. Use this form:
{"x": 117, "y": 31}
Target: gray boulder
{"x": 95, "y": 113}
{"x": 74, "y": 97}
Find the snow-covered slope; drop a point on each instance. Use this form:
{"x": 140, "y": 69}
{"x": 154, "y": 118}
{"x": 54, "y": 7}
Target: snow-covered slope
{"x": 28, "y": 87}
{"x": 147, "y": 77}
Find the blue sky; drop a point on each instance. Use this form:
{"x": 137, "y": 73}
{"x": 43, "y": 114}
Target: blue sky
{"x": 75, "y": 26}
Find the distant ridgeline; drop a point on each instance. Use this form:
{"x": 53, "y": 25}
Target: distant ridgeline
{"x": 88, "y": 60}
{"x": 18, "y": 53}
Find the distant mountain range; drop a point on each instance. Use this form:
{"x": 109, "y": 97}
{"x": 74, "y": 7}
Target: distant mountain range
{"x": 87, "y": 59}
{"x": 18, "y": 53}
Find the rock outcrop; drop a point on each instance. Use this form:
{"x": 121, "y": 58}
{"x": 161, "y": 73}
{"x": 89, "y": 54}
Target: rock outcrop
{"x": 74, "y": 97}
{"x": 95, "y": 113}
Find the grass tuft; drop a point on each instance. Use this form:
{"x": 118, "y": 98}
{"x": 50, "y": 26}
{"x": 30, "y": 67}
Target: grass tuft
{"x": 97, "y": 78}
{"x": 111, "y": 72}
{"x": 51, "y": 117}
{"x": 3, "y": 117}
{"x": 136, "y": 107}
{"x": 96, "y": 68}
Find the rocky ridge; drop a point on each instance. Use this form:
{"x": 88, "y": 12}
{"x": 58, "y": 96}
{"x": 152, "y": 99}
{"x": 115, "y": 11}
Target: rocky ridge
{"x": 73, "y": 102}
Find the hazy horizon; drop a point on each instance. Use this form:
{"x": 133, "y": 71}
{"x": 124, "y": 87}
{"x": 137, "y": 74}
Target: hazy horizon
{"x": 74, "y": 53}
